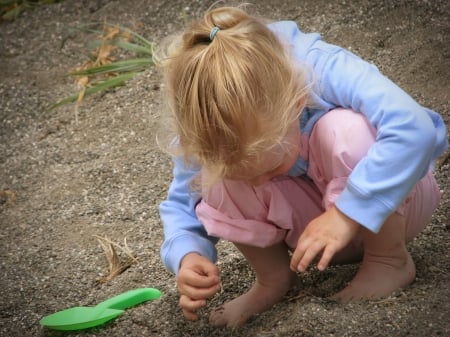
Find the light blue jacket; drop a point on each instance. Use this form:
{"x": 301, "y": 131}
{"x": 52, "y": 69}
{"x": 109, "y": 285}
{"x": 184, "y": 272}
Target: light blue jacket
{"x": 409, "y": 139}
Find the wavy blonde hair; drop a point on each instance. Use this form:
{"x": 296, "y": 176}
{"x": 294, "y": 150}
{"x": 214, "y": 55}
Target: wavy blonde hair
{"x": 232, "y": 99}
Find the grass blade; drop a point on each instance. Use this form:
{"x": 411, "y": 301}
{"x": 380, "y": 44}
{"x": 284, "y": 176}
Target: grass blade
{"x": 139, "y": 38}
{"x": 96, "y": 87}
{"x": 116, "y": 67}
{"x": 133, "y": 47}
{"x": 102, "y": 65}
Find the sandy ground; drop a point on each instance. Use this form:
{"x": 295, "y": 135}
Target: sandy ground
{"x": 102, "y": 174}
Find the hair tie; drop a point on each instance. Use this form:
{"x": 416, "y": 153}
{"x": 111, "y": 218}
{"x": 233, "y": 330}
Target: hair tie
{"x": 213, "y": 32}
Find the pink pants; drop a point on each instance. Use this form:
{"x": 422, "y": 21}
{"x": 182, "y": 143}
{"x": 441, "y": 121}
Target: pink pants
{"x": 280, "y": 209}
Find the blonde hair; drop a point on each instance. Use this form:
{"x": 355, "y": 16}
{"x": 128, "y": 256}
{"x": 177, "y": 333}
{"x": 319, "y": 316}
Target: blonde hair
{"x": 234, "y": 98}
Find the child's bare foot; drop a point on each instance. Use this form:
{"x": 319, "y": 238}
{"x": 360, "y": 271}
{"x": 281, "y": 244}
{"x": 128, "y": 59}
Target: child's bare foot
{"x": 377, "y": 277}
{"x": 258, "y": 299}
{"x": 273, "y": 280}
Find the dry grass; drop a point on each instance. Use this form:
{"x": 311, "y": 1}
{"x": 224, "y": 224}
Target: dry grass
{"x": 116, "y": 264}
{"x": 110, "y": 64}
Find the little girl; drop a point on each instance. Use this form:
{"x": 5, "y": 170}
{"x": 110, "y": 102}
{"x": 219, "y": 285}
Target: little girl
{"x": 292, "y": 149}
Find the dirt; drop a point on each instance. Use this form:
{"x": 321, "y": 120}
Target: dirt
{"x": 66, "y": 178}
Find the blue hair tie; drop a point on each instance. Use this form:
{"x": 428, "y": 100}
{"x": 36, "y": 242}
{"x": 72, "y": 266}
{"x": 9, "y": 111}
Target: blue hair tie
{"x": 213, "y": 32}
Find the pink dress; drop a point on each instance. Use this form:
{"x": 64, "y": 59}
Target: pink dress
{"x": 280, "y": 209}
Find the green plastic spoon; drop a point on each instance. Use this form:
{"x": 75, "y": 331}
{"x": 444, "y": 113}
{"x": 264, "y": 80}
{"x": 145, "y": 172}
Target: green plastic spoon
{"x": 78, "y": 318}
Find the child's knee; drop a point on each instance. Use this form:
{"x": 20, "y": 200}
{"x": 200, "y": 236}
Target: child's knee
{"x": 420, "y": 205}
{"x": 339, "y": 140}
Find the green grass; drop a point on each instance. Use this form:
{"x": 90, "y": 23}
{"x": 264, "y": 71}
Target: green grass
{"x": 100, "y": 72}
{"x": 11, "y": 9}
{"x": 103, "y": 71}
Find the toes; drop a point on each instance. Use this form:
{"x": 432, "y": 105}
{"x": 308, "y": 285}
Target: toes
{"x": 341, "y": 298}
{"x": 221, "y": 317}
{"x": 216, "y": 317}
{"x": 346, "y": 295}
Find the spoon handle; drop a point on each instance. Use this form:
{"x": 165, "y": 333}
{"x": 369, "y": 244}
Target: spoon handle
{"x": 130, "y": 298}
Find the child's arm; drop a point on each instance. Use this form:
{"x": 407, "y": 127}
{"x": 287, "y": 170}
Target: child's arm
{"x": 409, "y": 136}
{"x": 187, "y": 250}
{"x": 183, "y": 233}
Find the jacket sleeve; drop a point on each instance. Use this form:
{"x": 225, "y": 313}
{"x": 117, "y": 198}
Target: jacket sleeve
{"x": 409, "y": 136}
{"x": 183, "y": 233}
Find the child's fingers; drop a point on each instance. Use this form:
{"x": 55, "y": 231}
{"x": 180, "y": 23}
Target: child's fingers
{"x": 197, "y": 286}
{"x": 190, "y": 307}
{"x": 327, "y": 255}
{"x": 191, "y": 316}
{"x": 210, "y": 269}
{"x": 195, "y": 279}
{"x": 190, "y": 304}
{"x": 310, "y": 253}
{"x": 198, "y": 293}
{"x": 297, "y": 256}
{"x": 198, "y": 271}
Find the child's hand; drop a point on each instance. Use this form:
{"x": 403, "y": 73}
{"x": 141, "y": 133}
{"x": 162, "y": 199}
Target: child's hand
{"x": 329, "y": 232}
{"x": 198, "y": 279}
